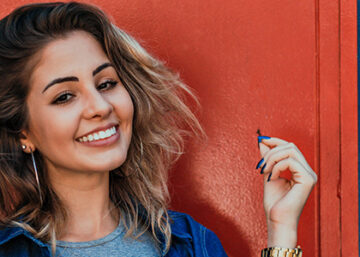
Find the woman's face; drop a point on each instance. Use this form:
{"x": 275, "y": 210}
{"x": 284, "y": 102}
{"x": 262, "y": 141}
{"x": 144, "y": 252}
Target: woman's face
{"x": 80, "y": 113}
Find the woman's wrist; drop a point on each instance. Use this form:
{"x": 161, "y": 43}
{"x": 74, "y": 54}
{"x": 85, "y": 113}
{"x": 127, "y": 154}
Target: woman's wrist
{"x": 282, "y": 235}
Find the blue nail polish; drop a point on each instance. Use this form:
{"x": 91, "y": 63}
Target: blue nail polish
{"x": 259, "y": 163}
{"x": 262, "y": 137}
{"x": 269, "y": 177}
{"x": 262, "y": 169}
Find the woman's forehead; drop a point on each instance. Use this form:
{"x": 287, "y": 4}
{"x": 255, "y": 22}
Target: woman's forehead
{"x": 77, "y": 52}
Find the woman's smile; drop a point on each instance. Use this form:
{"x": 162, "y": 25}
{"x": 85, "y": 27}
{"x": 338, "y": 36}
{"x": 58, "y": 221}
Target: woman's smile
{"x": 104, "y": 137}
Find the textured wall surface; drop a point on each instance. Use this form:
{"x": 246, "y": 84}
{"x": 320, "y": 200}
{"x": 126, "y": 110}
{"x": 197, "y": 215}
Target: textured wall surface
{"x": 253, "y": 65}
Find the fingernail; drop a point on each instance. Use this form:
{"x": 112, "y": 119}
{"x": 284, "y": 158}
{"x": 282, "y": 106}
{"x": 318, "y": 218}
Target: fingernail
{"x": 262, "y": 169}
{"x": 262, "y": 137}
{"x": 269, "y": 177}
{"x": 259, "y": 163}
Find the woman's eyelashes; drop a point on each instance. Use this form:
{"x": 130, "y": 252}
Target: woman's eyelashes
{"x": 63, "y": 98}
{"x": 107, "y": 85}
{"x": 67, "y": 96}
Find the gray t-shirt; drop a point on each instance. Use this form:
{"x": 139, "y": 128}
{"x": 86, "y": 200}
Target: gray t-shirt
{"x": 112, "y": 245}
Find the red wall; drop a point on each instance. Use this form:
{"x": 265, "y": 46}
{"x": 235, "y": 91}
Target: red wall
{"x": 287, "y": 68}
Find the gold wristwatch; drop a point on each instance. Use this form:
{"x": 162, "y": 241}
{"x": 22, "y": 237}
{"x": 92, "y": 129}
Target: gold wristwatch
{"x": 281, "y": 252}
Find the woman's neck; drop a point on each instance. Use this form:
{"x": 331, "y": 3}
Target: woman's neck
{"x": 91, "y": 213}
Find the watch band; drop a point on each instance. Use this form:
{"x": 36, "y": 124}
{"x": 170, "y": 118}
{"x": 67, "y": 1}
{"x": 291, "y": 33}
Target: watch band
{"x": 281, "y": 252}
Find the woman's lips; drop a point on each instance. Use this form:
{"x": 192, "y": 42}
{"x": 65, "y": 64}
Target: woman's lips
{"x": 101, "y": 138}
{"x": 100, "y": 128}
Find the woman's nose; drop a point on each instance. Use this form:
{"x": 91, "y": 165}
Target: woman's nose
{"x": 96, "y": 105}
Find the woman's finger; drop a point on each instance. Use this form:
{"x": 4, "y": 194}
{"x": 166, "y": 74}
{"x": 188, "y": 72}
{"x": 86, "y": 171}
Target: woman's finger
{"x": 281, "y": 152}
{"x": 263, "y": 149}
{"x": 263, "y": 163}
{"x": 300, "y": 174}
{"x": 265, "y": 144}
{"x": 272, "y": 141}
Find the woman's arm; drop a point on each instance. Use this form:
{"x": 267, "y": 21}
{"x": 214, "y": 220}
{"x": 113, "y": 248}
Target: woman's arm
{"x": 284, "y": 199}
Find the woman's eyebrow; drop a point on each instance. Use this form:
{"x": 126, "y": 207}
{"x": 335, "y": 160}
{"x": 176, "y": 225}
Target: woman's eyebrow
{"x": 72, "y": 78}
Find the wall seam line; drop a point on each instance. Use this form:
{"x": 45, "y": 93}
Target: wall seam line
{"x": 340, "y": 127}
{"x": 318, "y": 124}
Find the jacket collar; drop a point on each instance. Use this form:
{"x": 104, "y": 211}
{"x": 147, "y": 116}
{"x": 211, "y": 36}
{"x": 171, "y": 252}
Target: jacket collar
{"x": 8, "y": 233}
{"x": 178, "y": 234}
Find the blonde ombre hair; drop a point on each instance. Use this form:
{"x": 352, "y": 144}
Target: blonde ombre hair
{"x": 138, "y": 187}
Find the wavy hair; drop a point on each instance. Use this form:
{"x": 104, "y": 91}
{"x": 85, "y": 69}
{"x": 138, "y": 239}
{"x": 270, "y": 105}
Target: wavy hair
{"x": 161, "y": 119}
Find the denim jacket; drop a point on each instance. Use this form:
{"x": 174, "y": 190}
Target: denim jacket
{"x": 189, "y": 238}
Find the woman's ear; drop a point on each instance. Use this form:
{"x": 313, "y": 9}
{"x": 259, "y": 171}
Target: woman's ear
{"x": 26, "y": 143}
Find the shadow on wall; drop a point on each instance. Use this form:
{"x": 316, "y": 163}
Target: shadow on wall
{"x": 185, "y": 198}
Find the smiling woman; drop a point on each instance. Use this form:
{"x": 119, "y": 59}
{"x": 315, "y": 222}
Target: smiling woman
{"x": 90, "y": 124}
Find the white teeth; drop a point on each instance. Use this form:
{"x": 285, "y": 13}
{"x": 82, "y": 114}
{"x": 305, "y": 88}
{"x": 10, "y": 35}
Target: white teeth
{"x": 99, "y": 135}
{"x": 102, "y": 134}
{"x": 107, "y": 133}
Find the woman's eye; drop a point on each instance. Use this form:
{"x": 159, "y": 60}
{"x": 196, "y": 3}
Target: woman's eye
{"x": 62, "y": 98}
{"x": 66, "y": 96}
{"x": 107, "y": 85}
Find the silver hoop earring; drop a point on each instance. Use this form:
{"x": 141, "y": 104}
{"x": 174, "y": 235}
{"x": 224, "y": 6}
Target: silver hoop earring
{"x": 141, "y": 150}
{"x": 36, "y": 174}
{"x": 141, "y": 156}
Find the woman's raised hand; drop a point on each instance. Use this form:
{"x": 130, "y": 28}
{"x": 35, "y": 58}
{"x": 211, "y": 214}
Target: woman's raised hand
{"x": 284, "y": 199}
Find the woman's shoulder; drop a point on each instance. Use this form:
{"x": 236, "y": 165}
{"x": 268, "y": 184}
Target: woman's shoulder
{"x": 179, "y": 215}
{"x": 16, "y": 241}
{"x": 8, "y": 233}
{"x": 201, "y": 239}
{"x": 183, "y": 222}
{"x": 180, "y": 220}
